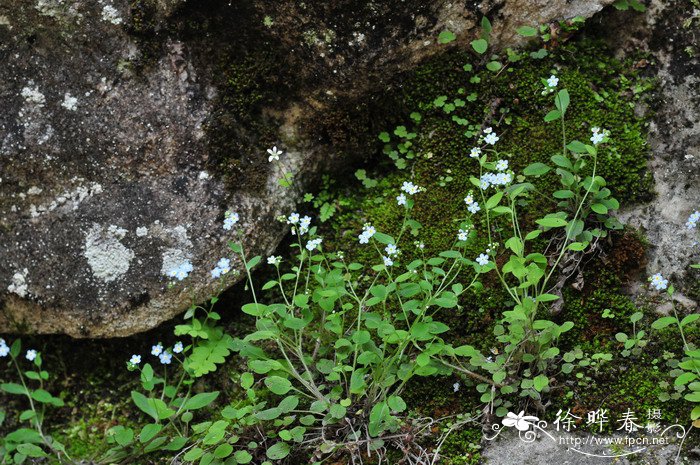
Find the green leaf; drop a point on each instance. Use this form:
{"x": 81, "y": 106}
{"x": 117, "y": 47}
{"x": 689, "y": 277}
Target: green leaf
{"x": 242, "y": 457}
{"x": 551, "y": 222}
{"x": 663, "y": 322}
{"x": 254, "y": 309}
{"x": 552, "y": 116}
{"x": 223, "y": 451}
{"x": 446, "y": 37}
{"x": 494, "y": 200}
{"x": 599, "y": 208}
{"x": 148, "y": 432}
{"x": 527, "y": 31}
{"x": 155, "y": 408}
{"x": 479, "y": 46}
{"x": 278, "y": 385}
{"x": 493, "y": 66}
{"x": 578, "y": 246}
{"x": 540, "y": 382}
{"x": 278, "y": 451}
{"x": 30, "y": 450}
{"x": 200, "y": 400}
{"x": 13, "y": 388}
{"x": 562, "y": 101}
{"x": 536, "y": 169}
{"x": 384, "y": 137}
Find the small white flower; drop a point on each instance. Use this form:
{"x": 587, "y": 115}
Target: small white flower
{"x": 552, "y": 81}
{"x": 482, "y": 259}
{"x": 314, "y": 243}
{"x": 595, "y": 129}
{"x": 391, "y": 249}
{"x": 367, "y": 232}
{"x": 488, "y": 130}
{"x": 165, "y": 358}
{"x": 475, "y": 152}
{"x": 157, "y": 349}
{"x": 484, "y": 184}
{"x": 387, "y": 261}
{"x": 4, "y": 350}
{"x": 230, "y": 219}
{"x": 274, "y": 154}
{"x": 31, "y": 355}
{"x": 474, "y": 207}
{"x": 463, "y": 235}
{"x": 178, "y": 347}
{"x": 491, "y": 139}
{"x": 135, "y": 359}
{"x": 401, "y": 199}
{"x": 293, "y": 218}
{"x": 419, "y": 245}
{"x": 455, "y": 387}
{"x": 502, "y": 165}
{"x": 216, "y": 273}
{"x": 658, "y": 282}
{"x": 693, "y": 220}
{"x": 597, "y": 138}
{"x": 272, "y": 260}
{"x": 469, "y": 199}
{"x": 410, "y": 188}
{"x": 181, "y": 271}
{"x": 224, "y": 263}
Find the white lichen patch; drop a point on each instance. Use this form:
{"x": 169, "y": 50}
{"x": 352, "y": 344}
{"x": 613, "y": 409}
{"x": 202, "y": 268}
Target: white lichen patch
{"x": 34, "y": 190}
{"x": 69, "y": 102}
{"x": 19, "y": 283}
{"x": 32, "y": 95}
{"x": 203, "y": 176}
{"x": 111, "y": 15}
{"x": 141, "y": 231}
{"x": 71, "y": 199}
{"x": 108, "y": 258}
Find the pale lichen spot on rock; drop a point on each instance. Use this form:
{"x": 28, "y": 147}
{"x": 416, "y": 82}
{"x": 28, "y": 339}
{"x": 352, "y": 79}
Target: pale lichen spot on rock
{"x": 19, "y": 283}
{"x": 108, "y": 258}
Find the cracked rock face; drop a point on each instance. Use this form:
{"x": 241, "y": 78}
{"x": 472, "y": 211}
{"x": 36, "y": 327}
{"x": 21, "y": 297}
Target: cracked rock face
{"x": 107, "y": 178}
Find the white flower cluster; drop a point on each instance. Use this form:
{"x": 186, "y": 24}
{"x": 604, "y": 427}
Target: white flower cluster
{"x": 472, "y": 205}
{"x": 475, "y": 152}
{"x": 223, "y": 267}
{"x": 658, "y": 282}
{"x": 693, "y": 219}
{"x": 4, "y": 349}
{"x": 272, "y": 260}
{"x": 491, "y": 138}
{"x": 599, "y": 135}
{"x": 230, "y": 219}
{"x": 495, "y": 179}
{"x": 274, "y": 153}
{"x": 410, "y": 188}
{"x": 299, "y": 224}
{"x": 157, "y": 350}
{"x": 367, "y": 232}
{"x": 181, "y": 271}
{"x": 314, "y": 243}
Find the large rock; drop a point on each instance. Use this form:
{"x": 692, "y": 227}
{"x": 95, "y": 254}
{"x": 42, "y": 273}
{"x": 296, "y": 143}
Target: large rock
{"x": 130, "y": 127}
{"x": 669, "y": 32}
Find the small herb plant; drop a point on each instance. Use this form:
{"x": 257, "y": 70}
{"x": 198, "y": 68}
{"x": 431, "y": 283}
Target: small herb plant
{"x": 32, "y": 442}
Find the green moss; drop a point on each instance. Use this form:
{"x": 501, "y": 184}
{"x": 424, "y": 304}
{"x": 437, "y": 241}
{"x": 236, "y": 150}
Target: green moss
{"x": 603, "y": 92}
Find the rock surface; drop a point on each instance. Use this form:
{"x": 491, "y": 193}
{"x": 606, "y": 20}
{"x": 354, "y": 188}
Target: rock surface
{"x": 670, "y": 32}
{"x": 129, "y": 128}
